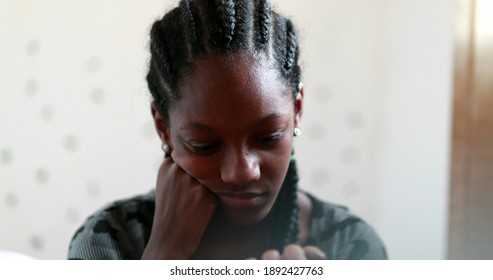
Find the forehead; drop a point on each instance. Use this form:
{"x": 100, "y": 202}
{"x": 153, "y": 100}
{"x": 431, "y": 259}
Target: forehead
{"x": 227, "y": 88}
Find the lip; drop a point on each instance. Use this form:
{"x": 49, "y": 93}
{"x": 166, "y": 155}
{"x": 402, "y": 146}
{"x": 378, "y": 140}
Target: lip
{"x": 241, "y": 200}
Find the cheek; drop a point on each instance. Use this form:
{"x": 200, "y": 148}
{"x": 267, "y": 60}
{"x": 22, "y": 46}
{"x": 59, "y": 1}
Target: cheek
{"x": 277, "y": 168}
{"x": 201, "y": 168}
{"x": 275, "y": 165}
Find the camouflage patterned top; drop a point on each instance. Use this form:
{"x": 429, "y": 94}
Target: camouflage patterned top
{"x": 121, "y": 231}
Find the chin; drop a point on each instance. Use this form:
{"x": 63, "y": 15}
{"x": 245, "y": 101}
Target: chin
{"x": 245, "y": 218}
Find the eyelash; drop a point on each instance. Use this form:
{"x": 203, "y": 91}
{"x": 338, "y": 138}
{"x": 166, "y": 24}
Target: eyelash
{"x": 271, "y": 139}
{"x": 266, "y": 141}
{"x": 202, "y": 149}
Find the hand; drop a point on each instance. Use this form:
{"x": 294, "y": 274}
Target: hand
{"x": 184, "y": 208}
{"x": 295, "y": 252}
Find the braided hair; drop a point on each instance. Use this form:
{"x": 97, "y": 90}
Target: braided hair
{"x": 197, "y": 28}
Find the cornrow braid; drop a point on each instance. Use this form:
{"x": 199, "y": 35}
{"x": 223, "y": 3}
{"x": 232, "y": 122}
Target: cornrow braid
{"x": 160, "y": 67}
{"x": 291, "y": 67}
{"x": 291, "y": 48}
{"x": 158, "y": 49}
{"x": 262, "y": 23}
{"x": 197, "y": 28}
{"x": 286, "y": 209}
{"x": 226, "y": 12}
{"x": 244, "y": 25}
{"x": 287, "y": 51}
{"x": 189, "y": 16}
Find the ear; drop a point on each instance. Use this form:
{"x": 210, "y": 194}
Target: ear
{"x": 298, "y": 105}
{"x": 160, "y": 124}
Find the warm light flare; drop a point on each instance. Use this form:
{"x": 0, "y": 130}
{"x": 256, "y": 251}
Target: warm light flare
{"x": 484, "y": 17}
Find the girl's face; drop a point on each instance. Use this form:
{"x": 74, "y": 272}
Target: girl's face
{"x": 232, "y": 130}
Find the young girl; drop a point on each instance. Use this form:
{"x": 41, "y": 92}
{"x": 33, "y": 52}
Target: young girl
{"x": 227, "y": 103}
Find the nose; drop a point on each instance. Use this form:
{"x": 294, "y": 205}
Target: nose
{"x": 240, "y": 168}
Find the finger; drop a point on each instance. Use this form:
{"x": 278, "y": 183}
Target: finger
{"x": 314, "y": 253}
{"x": 165, "y": 166}
{"x": 271, "y": 255}
{"x": 293, "y": 252}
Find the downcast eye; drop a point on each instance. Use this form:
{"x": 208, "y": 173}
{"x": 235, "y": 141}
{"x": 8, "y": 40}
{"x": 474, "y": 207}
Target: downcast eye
{"x": 202, "y": 149}
{"x": 271, "y": 138}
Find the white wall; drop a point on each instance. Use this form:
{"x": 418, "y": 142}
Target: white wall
{"x": 75, "y": 131}
{"x": 413, "y": 146}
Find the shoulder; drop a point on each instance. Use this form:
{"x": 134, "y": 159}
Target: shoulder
{"x": 119, "y": 230}
{"x": 342, "y": 234}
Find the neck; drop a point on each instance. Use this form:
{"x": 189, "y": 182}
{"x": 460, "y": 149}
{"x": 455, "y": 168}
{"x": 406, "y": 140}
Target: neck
{"x": 221, "y": 222}
{"x": 224, "y": 239}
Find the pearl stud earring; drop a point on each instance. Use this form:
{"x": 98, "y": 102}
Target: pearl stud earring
{"x": 297, "y": 131}
{"x": 166, "y": 149}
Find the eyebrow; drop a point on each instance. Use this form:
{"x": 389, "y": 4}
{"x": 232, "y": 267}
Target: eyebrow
{"x": 201, "y": 126}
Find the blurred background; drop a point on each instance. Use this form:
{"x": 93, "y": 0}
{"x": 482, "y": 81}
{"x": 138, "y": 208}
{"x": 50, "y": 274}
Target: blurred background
{"x": 76, "y": 130}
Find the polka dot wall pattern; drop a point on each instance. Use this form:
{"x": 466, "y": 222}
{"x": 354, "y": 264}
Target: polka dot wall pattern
{"x": 31, "y": 87}
{"x": 337, "y": 135}
{"x": 11, "y": 200}
{"x": 76, "y": 131}
{"x": 6, "y": 156}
